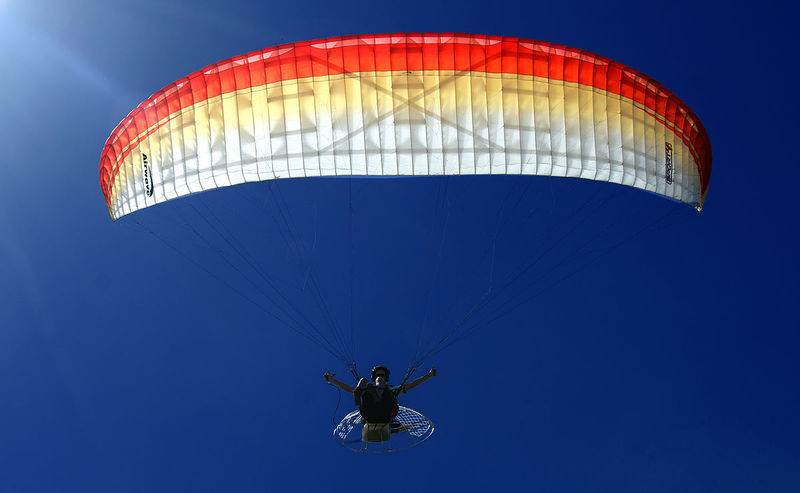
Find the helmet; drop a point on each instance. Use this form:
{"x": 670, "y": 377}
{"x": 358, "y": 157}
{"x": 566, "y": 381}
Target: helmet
{"x": 379, "y": 367}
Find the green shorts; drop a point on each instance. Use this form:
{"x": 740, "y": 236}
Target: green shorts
{"x": 376, "y": 432}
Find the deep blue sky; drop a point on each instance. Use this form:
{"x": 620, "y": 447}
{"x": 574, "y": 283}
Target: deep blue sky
{"x": 670, "y": 364}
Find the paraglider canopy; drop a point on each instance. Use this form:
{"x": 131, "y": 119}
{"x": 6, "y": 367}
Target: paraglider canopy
{"x": 406, "y": 104}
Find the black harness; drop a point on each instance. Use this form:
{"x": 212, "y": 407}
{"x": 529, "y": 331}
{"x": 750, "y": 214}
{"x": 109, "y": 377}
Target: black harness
{"x": 378, "y": 406}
